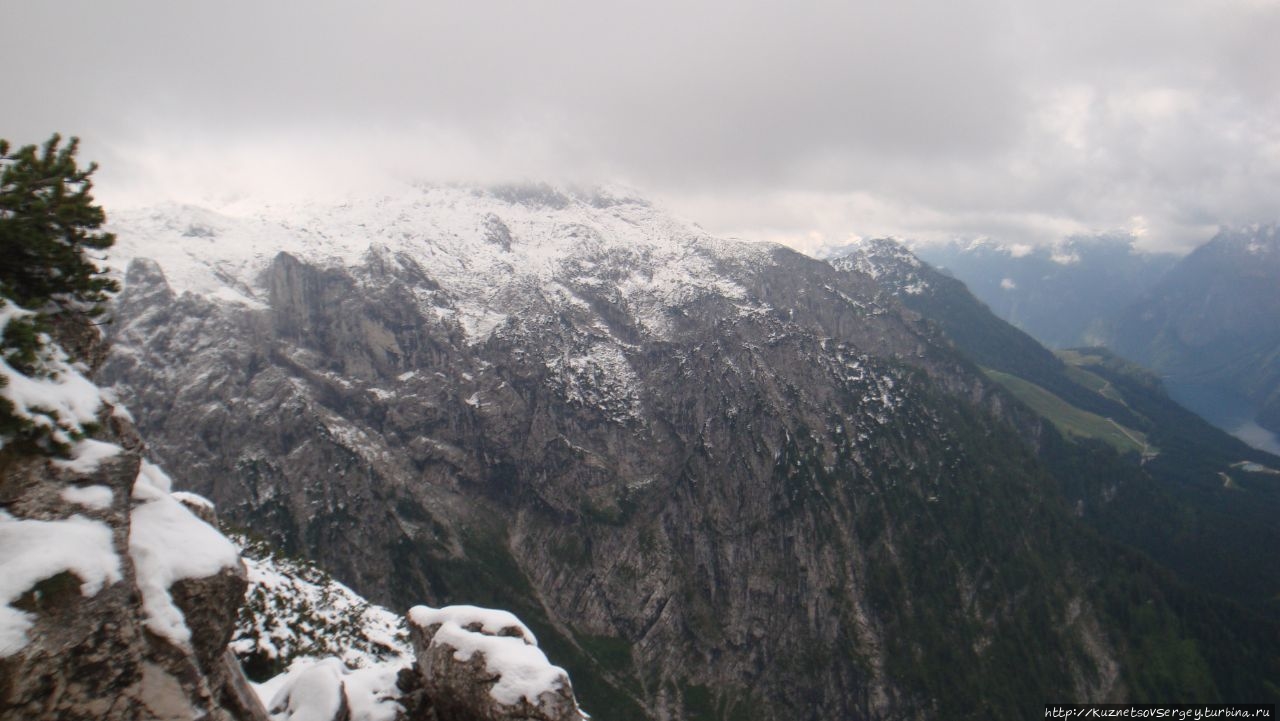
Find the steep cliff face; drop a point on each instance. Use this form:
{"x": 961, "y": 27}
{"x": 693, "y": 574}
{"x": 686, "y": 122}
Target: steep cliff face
{"x": 119, "y": 599}
{"x": 719, "y": 480}
{"x": 1166, "y": 495}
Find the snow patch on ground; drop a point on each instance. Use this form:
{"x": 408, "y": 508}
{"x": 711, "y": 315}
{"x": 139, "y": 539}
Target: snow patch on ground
{"x": 313, "y": 690}
{"x": 95, "y": 497}
{"x": 86, "y": 454}
{"x": 168, "y": 543}
{"x": 36, "y": 550}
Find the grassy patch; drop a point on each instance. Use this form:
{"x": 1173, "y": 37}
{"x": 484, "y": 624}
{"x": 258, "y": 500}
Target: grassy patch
{"x": 1068, "y": 418}
{"x": 1095, "y": 383}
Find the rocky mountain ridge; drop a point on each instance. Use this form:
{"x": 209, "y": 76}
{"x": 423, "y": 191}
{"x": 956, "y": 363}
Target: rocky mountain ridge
{"x": 718, "y": 480}
{"x": 1170, "y": 459}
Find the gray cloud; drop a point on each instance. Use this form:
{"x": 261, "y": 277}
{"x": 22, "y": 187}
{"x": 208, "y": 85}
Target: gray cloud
{"x": 792, "y": 121}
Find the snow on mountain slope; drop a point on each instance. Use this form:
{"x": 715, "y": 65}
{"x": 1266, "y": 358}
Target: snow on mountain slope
{"x": 307, "y": 638}
{"x": 481, "y": 262}
{"x": 533, "y": 234}
{"x": 293, "y": 609}
{"x": 330, "y": 654}
{"x": 573, "y": 407}
{"x": 884, "y": 259}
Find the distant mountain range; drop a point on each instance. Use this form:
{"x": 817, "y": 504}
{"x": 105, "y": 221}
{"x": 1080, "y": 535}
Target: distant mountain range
{"x": 1211, "y": 326}
{"x": 1208, "y": 324}
{"x": 1063, "y": 295}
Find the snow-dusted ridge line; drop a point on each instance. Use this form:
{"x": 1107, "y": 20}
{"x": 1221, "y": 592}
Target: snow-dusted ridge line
{"x": 480, "y": 245}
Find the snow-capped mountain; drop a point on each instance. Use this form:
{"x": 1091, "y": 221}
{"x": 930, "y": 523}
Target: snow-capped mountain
{"x": 715, "y": 478}
{"x": 886, "y": 260}
{"x": 532, "y": 238}
{"x": 503, "y": 374}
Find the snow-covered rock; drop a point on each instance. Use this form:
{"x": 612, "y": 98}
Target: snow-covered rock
{"x": 326, "y": 654}
{"x": 336, "y": 657}
{"x": 36, "y": 550}
{"x": 168, "y": 544}
{"x": 115, "y": 602}
{"x": 482, "y": 664}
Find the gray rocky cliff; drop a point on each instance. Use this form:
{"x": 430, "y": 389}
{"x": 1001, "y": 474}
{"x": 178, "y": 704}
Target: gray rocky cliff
{"x": 775, "y": 493}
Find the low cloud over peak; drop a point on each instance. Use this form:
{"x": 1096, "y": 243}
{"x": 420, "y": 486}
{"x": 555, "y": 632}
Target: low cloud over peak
{"x": 1024, "y": 122}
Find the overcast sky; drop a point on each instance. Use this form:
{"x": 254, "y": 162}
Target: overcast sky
{"x": 803, "y": 122}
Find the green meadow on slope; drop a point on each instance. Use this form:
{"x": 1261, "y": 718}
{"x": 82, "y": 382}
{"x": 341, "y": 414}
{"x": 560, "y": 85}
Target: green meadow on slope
{"x": 1071, "y": 420}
